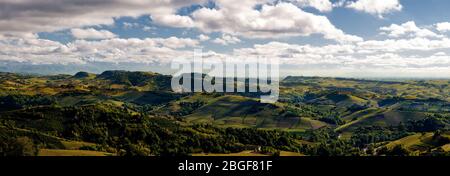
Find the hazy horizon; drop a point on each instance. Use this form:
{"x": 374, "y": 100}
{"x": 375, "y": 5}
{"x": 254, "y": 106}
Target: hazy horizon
{"x": 386, "y": 78}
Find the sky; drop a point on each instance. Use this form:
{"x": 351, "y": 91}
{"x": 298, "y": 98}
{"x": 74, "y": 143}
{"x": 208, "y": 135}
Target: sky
{"x": 337, "y": 38}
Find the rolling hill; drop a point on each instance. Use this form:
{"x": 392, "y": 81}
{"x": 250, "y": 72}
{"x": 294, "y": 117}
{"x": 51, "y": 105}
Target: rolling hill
{"x": 137, "y": 113}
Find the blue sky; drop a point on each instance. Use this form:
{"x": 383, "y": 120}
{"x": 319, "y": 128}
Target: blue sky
{"x": 353, "y": 22}
{"x": 347, "y": 38}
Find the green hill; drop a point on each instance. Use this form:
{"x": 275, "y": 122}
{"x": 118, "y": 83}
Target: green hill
{"x": 81, "y": 75}
{"x": 421, "y": 142}
{"x": 238, "y": 111}
{"x": 150, "y": 80}
{"x": 137, "y": 113}
{"x": 382, "y": 118}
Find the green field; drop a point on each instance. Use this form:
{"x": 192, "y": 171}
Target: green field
{"x": 58, "y": 152}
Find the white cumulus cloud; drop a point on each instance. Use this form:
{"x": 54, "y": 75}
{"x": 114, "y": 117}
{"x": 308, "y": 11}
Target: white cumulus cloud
{"x": 271, "y": 21}
{"x": 48, "y": 16}
{"x": 408, "y": 29}
{"x": 376, "y": 7}
{"x": 91, "y": 33}
{"x": 203, "y": 37}
{"x": 320, "y": 5}
{"x": 226, "y": 39}
{"x": 240, "y": 18}
{"x": 443, "y": 27}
